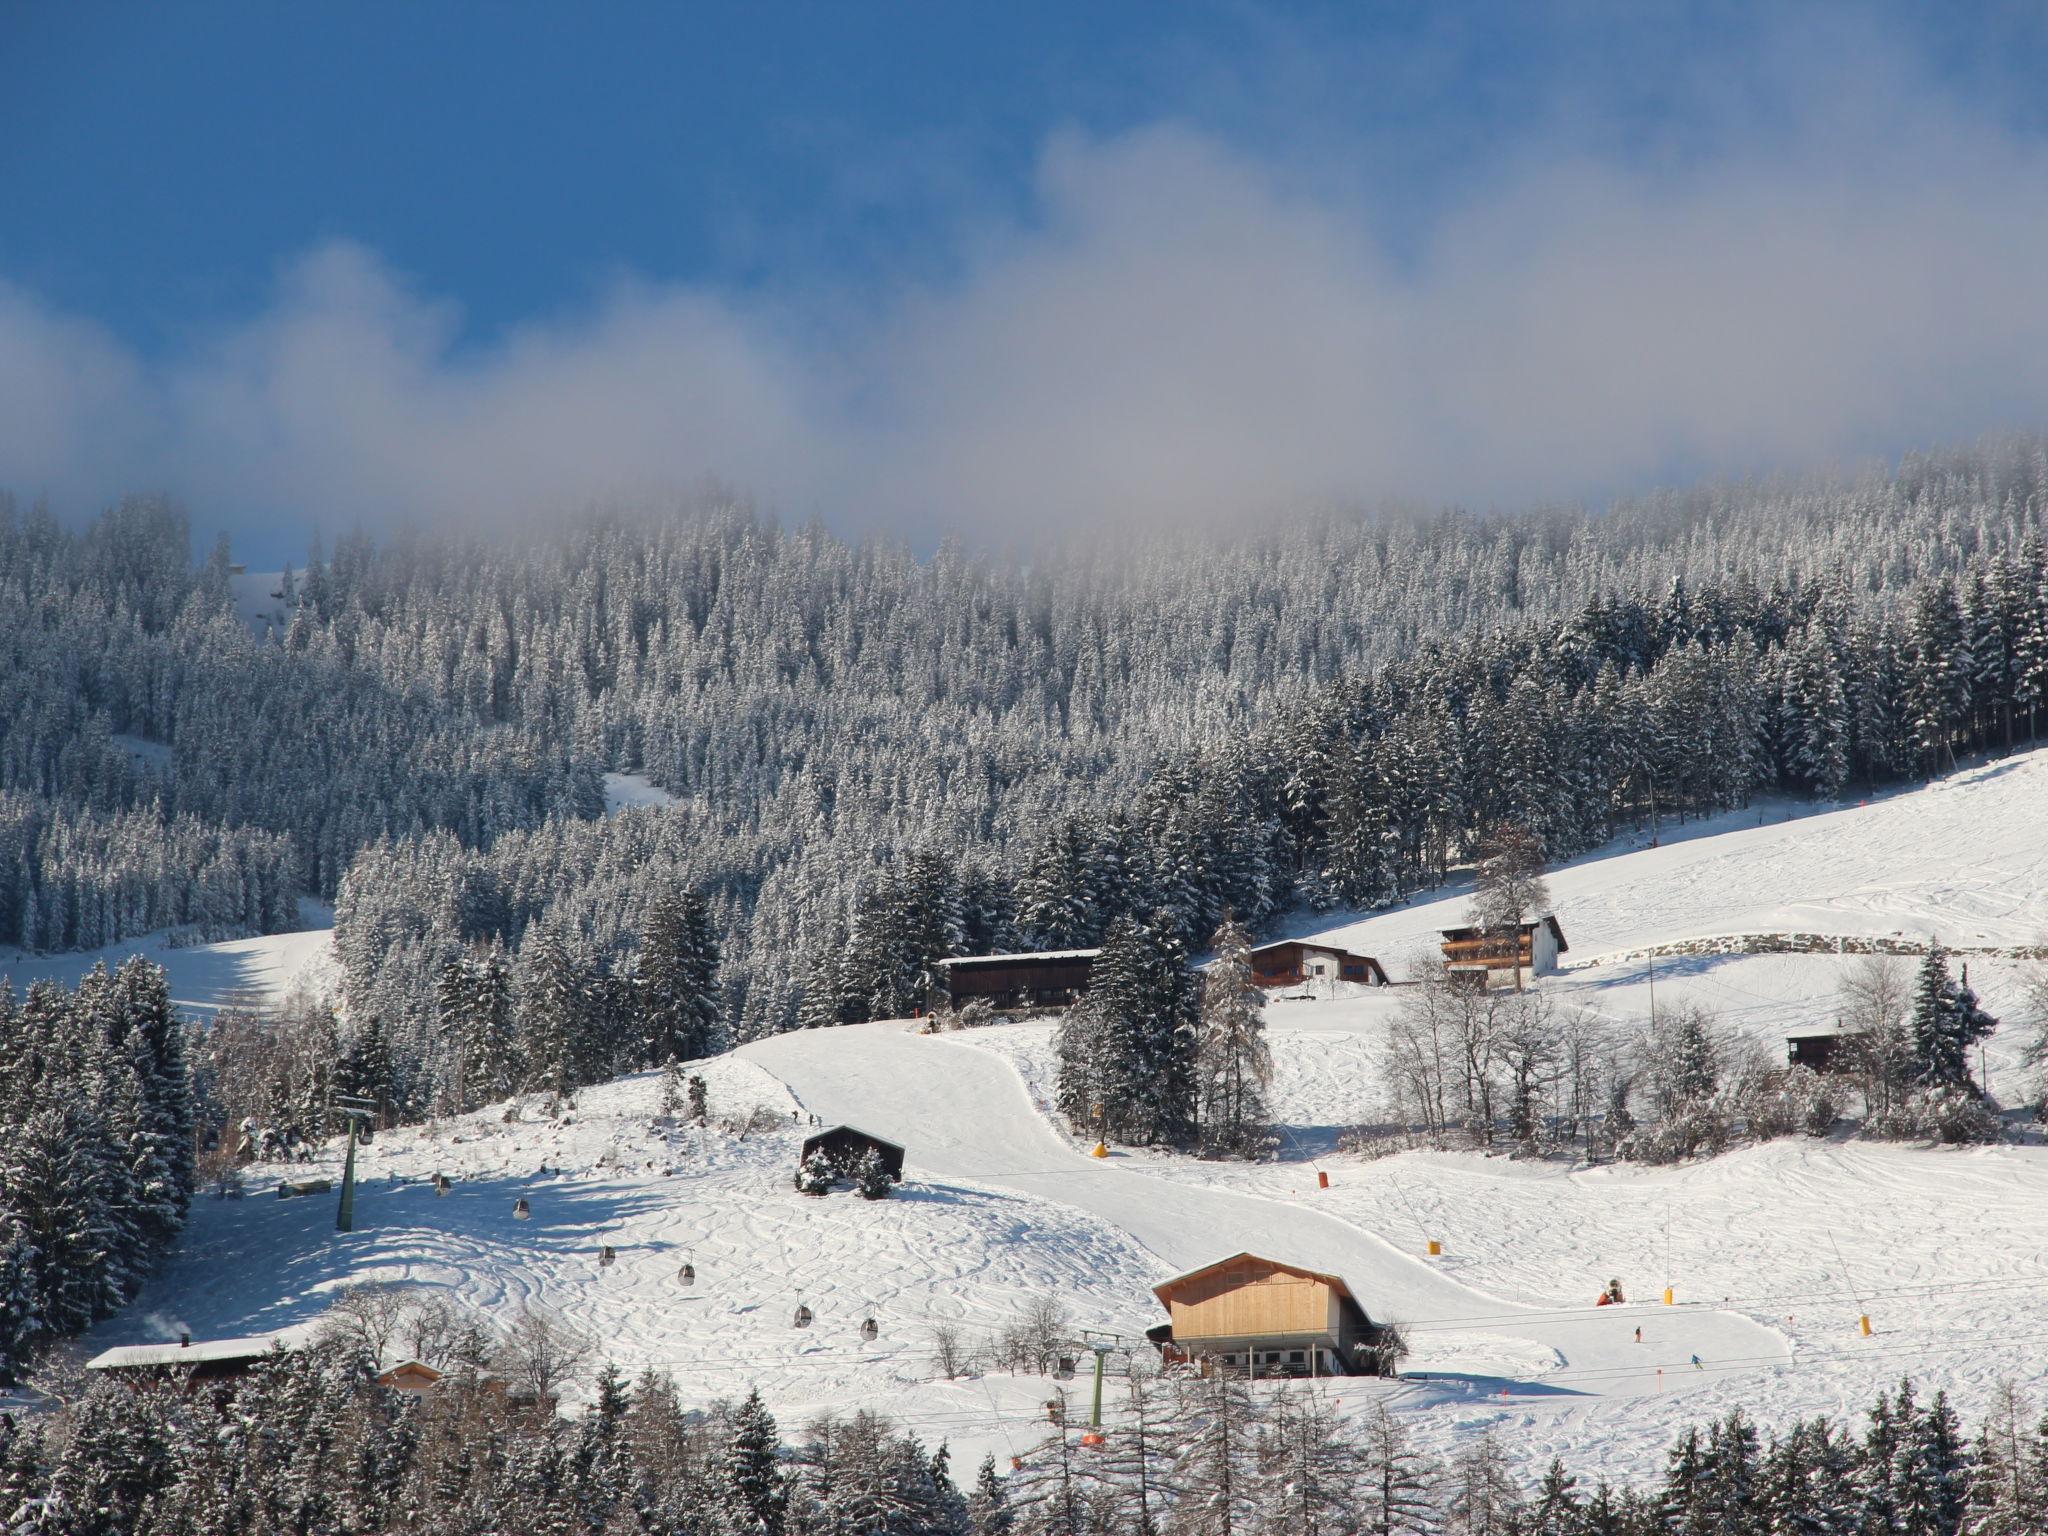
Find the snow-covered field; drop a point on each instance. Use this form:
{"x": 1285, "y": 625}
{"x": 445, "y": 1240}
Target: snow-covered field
{"x": 1774, "y": 1251}
{"x": 261, "y": 971}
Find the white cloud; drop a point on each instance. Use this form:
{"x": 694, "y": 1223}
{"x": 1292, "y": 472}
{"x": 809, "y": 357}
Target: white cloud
{"x": 1178, "y": 330}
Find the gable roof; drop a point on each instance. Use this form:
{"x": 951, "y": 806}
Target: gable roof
{"x": 1548, "y": 920}
{"x": 852, "y": 1130}
{"x": 1321, "y": 944}
{"x": 1335, "y": 1282}
{"x": 1042, "y": 954}
{"x": 128, "y": 1356}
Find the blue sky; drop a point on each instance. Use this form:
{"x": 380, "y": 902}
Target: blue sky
{"x": 927, "y": 266}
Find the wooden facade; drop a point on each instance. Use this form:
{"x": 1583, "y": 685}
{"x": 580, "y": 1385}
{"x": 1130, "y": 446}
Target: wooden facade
{"x": 1491, "y": 959}
{"x": 1261, "y": 1317}
{"x": 1051, "y": 979}
{"x": 1295, "y": 962}
{"x": 412, "y": 1378}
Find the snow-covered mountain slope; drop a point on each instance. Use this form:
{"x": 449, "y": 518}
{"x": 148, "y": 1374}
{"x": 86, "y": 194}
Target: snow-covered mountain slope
{"x": 1775, "y": 1251}
{"x": 1964, "y": 859}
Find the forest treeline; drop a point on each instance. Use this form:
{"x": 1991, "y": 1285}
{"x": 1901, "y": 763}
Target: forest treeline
{"x": 878, "y": 759}
{"x": 309, "y": 1445}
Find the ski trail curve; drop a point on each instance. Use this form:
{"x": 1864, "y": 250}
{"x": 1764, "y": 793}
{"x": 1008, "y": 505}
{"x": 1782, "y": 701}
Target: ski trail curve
{"x": 963, "y": 1114}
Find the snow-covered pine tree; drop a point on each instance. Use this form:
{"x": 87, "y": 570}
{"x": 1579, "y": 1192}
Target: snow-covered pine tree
{"x": 871, "y": 1177}
{"x": 1946, "y": 1021}
{"x": 676, "y": 988}
{"x": 1234, "y": 1067}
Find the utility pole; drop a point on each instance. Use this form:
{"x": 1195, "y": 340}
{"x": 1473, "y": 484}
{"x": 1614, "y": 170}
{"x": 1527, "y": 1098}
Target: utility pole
{"x": 356, "y": 1111}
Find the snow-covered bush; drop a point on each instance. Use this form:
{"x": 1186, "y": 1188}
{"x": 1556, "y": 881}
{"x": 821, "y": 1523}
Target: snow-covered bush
{"x": 871, "y": 1177}
{"x": 1796, "y": 1102}
{"x": 1952, "y": 1116}
{"x": 1698, "y": 1128}
{"x": 814, "y": 1174}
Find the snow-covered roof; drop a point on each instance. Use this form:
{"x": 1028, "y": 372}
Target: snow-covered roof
{"x": 128, "y": 1355}
{"x": 1042, "y": 954}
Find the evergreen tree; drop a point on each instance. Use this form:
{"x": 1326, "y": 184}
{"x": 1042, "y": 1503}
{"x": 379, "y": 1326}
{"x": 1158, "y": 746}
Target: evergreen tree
{"x": 1233, "y": 1066}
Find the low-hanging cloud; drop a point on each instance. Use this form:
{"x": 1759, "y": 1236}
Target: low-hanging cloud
{"x": 1176, "y": 329}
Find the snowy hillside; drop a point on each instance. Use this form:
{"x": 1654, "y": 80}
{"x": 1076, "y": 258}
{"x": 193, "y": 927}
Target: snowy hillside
{"x": 1774, "y": 1251}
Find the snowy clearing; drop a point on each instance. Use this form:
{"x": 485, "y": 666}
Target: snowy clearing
{"x": 262, "y": 971}
{"x": 632, "y": 791}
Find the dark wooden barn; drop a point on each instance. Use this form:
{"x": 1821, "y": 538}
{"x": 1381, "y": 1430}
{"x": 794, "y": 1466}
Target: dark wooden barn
{"x": 1050, "y": 979}
{"x": 844, "y": 1147}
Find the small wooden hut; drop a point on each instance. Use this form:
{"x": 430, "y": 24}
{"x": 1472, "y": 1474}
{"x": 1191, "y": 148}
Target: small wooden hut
{"x": 844, "y": 1147}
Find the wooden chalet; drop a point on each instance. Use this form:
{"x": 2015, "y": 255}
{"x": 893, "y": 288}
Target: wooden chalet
{"x": 1260, "y": 1317}
{"x": 206, "y": 1362}
{"x": 844, "y": 1147}
{"x": 1049, "y": 979}
{"x": 1296, "y": 962}
{"x": 411, "y": 1377}
{"x": 1492, "y": 959}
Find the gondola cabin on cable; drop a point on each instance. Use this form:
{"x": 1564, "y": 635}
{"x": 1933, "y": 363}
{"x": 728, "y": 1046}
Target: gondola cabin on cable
{"x": 1257, "y": 1317}
{"x": 844, "y": 1147}
{"x": 1289, "y": 963}
{"x": 205, "y": 1363}
{"x": 1049, "y": 979}
{"x": 1481, "y": 959}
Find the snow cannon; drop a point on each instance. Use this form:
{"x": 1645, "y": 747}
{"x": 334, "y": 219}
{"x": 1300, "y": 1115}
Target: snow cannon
{"x": 1322, "y": 1179}
{"x": 1863, "y": 1325}
{"x": 1670, "y": 1296}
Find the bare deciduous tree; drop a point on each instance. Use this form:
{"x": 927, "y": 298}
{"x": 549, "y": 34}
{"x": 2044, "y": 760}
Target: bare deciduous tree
{"x": 1508, "y": 890}
{"x": 541, "y": 1352}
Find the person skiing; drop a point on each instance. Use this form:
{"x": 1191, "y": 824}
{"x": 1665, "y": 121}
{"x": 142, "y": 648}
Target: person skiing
{"x": 1639, "y": 1335}
{"x": 1696, "y": 1363}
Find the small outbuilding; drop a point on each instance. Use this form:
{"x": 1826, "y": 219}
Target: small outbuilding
{"x": 1492, "y": 959}
{"x": 1820, "y": 1047}
{"x": 1297, "y": 962}
{"x": 1050, "y": 978}
{"x": 1261, "y": 1317}
{"x": 844, "y": 1148}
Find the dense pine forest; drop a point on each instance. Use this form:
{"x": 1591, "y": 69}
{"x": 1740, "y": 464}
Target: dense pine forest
{"x": 879, "y": 758}
{"x": 311, "y": 1446}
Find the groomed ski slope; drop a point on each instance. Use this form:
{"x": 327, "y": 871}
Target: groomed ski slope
{"x": 968, "y": 1117}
